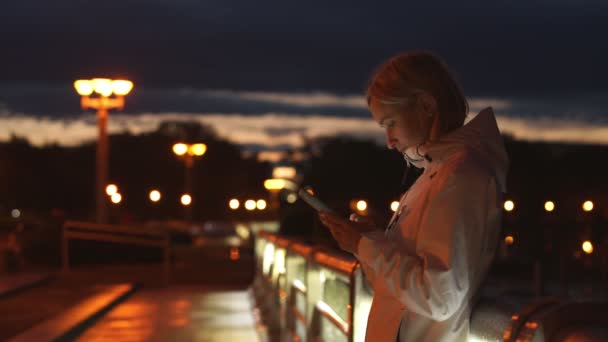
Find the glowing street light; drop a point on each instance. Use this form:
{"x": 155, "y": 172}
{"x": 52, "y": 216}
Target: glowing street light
{"x": 509, "y": 240}
{"x": 394, "y": 205}
{"x": 588, "y": 206}
{"x": 109, "y": 94}
{"x": 197, "y": 149}
{"x": 285, "y": 172}
{"x": 155, "y": 195}
{"x": 509, "y": 205}
{"x": 280, "y": 184}
{"x": 234, "y": 204}
{"x": 549, "y": 206}
{"x": 361, "y": 205}
{"x": 186, "y": 200}
{"x": 121, "y": 87}
{"x": 250, "y": 205}
{"x": 15, "y": 213}
{"x": 111, "y": 189}
{"x": 180, "y": 149}
{"x": 188, "y": 152}
{"x": 261, "y": 204}
{"x": 292, "y": 198}
{"x": 587, "y": 247}
{"x": 116, "y": 198}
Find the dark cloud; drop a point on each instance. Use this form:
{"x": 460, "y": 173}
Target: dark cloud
{"x": 524, "y": 47}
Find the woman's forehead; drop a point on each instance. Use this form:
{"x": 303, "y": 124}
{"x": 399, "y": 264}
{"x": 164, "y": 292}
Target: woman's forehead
{"x": 380, "y": 111}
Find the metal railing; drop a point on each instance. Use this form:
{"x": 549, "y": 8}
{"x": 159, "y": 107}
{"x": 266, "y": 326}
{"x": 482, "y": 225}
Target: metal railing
{"x": 320, "y": 295}
{"x": 118, "y": 234}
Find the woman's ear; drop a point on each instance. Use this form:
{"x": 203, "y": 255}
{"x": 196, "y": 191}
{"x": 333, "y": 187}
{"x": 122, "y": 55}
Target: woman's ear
{"x": 429, "y": 103}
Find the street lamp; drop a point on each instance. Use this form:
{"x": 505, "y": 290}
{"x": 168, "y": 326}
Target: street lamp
{"x": 189, "y": 152}
{"x": 261, "y": 204}
{"x": 155, "y": 195}
{"x": 116, "y": 198}
{"x": 587, "y": 247}
{"x": 588, "y": 206}
{"x": 361, "y": 205}
{"x": 111, "y": 189}
{"x": 234, "y": 204}
{"x": 104, "y": 88}
{"x": 186, "y": 200}
{"x": 250, "y": 205}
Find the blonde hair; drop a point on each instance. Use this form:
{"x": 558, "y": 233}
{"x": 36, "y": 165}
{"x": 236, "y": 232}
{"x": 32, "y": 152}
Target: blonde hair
{"x": 399, "y": 79}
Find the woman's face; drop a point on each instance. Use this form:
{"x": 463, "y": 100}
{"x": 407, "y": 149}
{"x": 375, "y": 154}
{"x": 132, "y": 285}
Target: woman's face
{"x": 405, "y": 125}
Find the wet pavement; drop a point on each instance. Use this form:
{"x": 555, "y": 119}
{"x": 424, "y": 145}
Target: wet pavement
{"x": 33, "y": 306}
{"x": 182, "y": 313}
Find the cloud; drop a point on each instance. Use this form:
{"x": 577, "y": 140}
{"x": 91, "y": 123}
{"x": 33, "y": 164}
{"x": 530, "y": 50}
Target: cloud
{"x": 311, "y": 99}
{"x": 276, "y": 131}
{"x": 273, "y": 121}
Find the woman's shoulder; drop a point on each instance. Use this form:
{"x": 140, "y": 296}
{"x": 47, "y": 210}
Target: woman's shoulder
{"x": 464, "y": 168}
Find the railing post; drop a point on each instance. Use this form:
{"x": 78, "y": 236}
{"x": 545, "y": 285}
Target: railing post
{"x": 65, "y": 261}
{"x": 167, "y": 260}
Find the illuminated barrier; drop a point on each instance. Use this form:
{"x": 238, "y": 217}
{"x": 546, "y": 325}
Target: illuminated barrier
{"x": 279, "y": 279}
{"x": 339, "y": 298}
{"x": 311, "y": 294}
{"x": 297, "y": 315}
{"x": 269, "y": 265}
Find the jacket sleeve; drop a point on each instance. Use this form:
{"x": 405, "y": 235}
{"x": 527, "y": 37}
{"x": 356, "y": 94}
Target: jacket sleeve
{"x": 435, "y": 280}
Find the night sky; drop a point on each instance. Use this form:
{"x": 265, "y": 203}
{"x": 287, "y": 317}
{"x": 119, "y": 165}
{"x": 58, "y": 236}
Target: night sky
{"x": 495, "y": 48}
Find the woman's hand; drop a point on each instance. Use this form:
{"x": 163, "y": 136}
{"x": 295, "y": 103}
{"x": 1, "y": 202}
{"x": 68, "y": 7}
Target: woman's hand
{"x": 347, "y": 233}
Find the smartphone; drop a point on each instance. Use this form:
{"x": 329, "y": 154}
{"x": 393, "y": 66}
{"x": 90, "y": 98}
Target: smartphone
{"x": 315, "y": 202}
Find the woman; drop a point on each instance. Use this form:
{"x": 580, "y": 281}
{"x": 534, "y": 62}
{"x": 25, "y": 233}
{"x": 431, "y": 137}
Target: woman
{"x": 431, "y": 259}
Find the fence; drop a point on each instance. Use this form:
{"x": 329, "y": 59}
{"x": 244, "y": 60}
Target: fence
{"x": 117, "y": 234}
{"x": 307, "y": 293}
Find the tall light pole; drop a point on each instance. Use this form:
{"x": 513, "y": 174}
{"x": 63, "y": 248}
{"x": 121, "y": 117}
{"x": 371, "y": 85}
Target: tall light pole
{"x": 104, "y": 88}
{"x": 188, "y": 152}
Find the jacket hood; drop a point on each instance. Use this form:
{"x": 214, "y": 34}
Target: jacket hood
{"x": 480, "y": 136}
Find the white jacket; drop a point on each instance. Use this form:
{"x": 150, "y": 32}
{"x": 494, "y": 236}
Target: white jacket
{"x": 426, "y": 268}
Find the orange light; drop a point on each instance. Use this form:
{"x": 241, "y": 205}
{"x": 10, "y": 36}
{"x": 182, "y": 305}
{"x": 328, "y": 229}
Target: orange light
{"x": 261, "y": 204}
{"x": 587, "y": 247}
{"x": 102, "y": 86}
{"x": 234, "y": 204}
{"x": 197, "y": 149}
{"x": 186, "y": 200}
{"x": 235, "y": 254}
{"x": 111, "y": 189}
{"x": 509, "y": 240}
{"x": 180, "y": 149}
{"x": 250, "y": 205}
{"x": 121, "y": 87}
{"x": 288, "y": 172}
{"x": 394, "y": 205}
{"x": 588, "y": 206}
{"x": 292, "y": 198}
{"x": 116, "y": 198}
{"x": 83, "y": 87}
{"x": 361, "y": 205}
{"x": 274, "y": 184}
{"x": 155, "y": 195}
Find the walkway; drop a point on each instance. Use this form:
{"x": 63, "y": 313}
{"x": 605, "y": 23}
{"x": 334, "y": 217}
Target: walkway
{"x": 177, "y": 314}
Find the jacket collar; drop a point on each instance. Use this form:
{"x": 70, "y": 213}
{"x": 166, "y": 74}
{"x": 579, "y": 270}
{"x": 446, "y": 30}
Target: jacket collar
{"x": 481, "y": 135}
